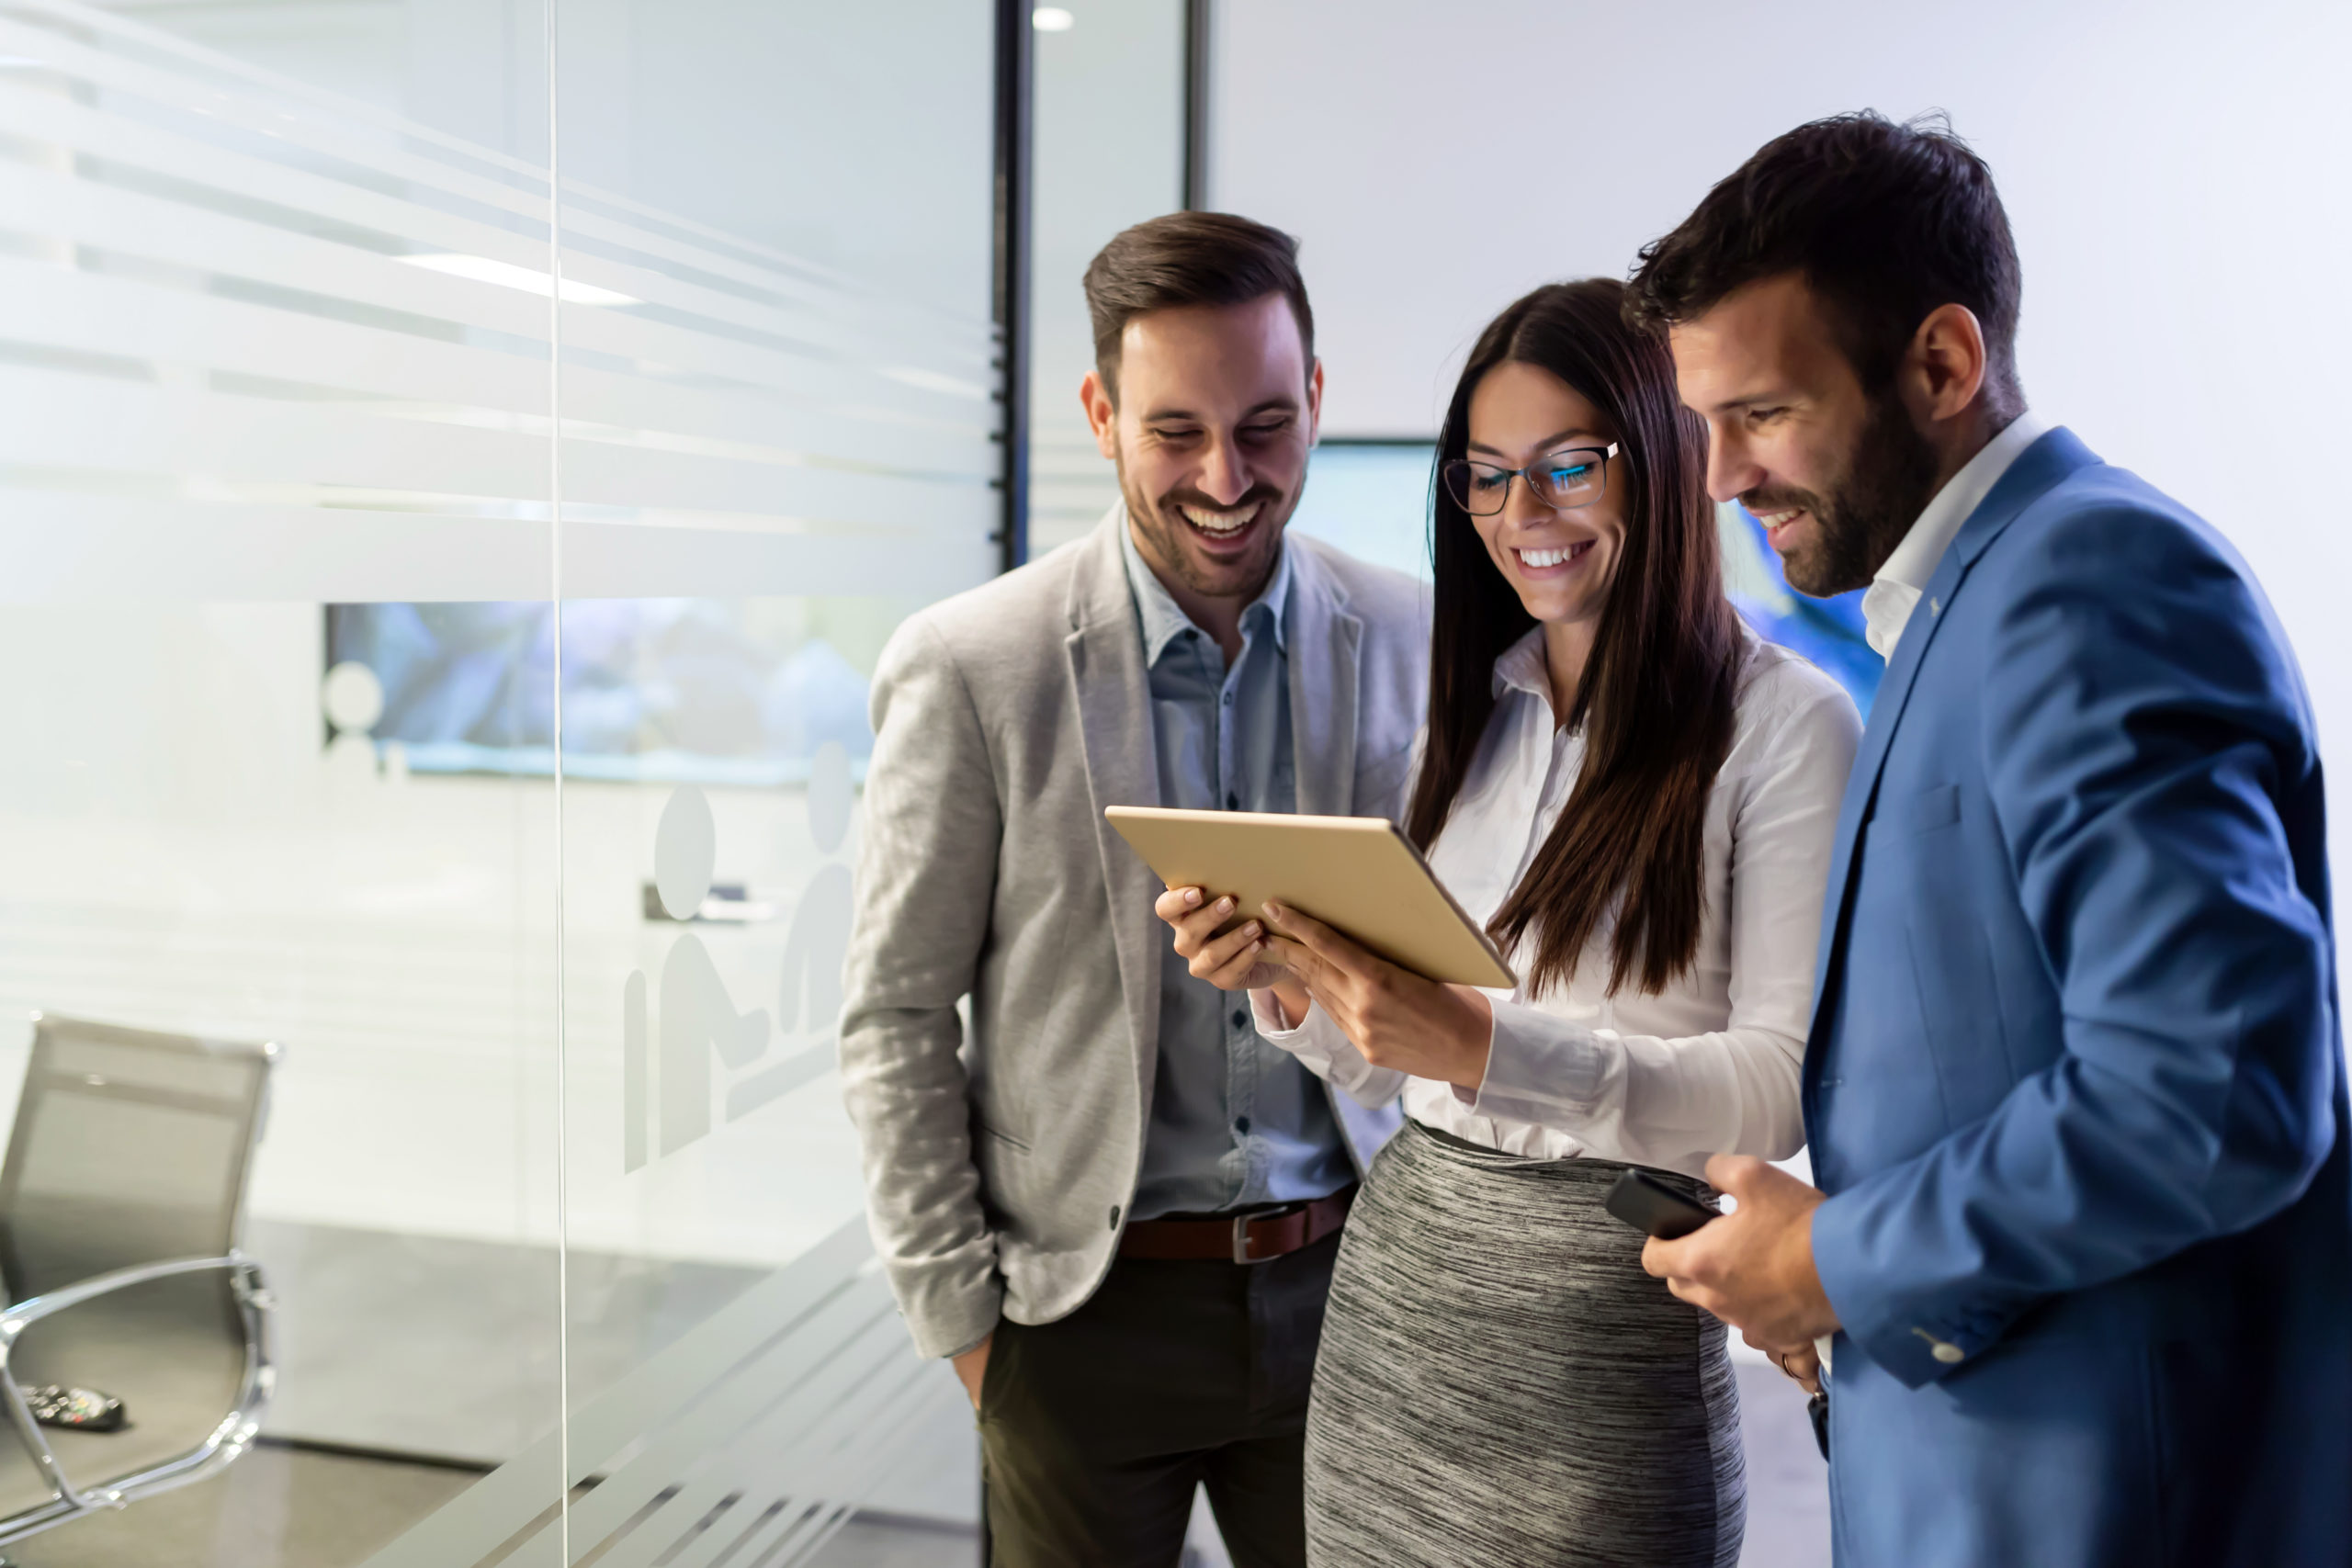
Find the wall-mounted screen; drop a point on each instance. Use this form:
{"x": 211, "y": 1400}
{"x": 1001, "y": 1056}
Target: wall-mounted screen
{"x": 716, "y": 690}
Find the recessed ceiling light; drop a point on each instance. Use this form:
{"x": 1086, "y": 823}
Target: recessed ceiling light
{"x": 1051, "y": 19}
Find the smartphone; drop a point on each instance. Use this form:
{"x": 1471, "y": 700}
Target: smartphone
{"x": 1649, "y": 1205}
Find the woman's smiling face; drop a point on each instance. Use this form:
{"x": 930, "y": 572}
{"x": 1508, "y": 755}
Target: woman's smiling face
{"x": 1561, "y": 562}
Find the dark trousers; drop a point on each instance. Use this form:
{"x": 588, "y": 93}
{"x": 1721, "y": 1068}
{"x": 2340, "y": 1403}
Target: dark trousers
{"x": 1095, "y": 1431}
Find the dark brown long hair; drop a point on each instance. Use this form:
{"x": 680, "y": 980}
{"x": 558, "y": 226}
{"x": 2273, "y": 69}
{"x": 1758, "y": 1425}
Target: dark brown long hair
{"x": 1658, "y": 696}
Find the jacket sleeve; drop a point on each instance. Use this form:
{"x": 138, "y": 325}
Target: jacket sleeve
{"x": 2141, "y": 725}
{"x": 927, "y": 871}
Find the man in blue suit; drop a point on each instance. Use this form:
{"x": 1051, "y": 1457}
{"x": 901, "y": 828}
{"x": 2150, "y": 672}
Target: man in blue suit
{"x": 2076, "y": 1088}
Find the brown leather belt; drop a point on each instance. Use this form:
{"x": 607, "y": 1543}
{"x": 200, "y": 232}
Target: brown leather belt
{"x": 1259, "y": 1236}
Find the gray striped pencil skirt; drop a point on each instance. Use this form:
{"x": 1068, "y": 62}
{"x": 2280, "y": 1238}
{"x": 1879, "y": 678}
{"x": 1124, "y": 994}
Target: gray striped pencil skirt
{"x": 1500, "y": 1385}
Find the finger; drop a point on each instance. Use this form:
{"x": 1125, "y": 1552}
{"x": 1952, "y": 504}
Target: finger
{"x": 1220, "y": 953}
{"x": 1658, "y": 1257}
{"x": 1326, "y": 943}
{"x": 1177, "y": 902}
{"x": 1195, "y": 930}
{"x": 1302, "y": 961}
{"x": 1738, "y": 1175}
{"x": 1241, "y": 973}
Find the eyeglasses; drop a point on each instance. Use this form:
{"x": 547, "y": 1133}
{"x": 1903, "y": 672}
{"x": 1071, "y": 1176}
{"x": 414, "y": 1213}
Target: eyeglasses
{"x": 1571, "y": 478}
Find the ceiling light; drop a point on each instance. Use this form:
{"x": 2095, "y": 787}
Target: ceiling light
{"x": 1051, "y": 19}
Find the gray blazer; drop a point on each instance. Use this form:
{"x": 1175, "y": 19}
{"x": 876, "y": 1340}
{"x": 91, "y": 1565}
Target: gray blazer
{"x": 1000, "y": 1158}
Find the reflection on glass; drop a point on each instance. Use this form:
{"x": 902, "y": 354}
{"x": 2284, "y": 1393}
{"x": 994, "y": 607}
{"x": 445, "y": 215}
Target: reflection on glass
{"x": 743, "y": 692}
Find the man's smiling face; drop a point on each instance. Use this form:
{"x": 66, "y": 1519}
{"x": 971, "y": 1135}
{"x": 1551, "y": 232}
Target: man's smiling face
{"x": 1836, "y": 474}
{"x": 1214, "y": 419}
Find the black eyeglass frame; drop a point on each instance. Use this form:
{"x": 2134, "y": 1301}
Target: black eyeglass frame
{"x": 1542, "y": 491}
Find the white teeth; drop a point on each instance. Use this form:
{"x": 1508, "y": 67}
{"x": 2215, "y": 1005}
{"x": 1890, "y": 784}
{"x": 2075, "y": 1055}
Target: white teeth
{"x": 1224, "y": 524}
{"x": 1549, "y": 557}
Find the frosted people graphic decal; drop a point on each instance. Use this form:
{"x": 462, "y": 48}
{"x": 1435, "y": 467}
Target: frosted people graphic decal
{"x": 696, "y": 1016}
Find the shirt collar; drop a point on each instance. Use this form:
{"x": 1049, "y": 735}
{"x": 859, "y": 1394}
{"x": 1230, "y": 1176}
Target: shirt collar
{"x": 1522, "y": 668}
{"x": 1894, "y": 593}
{"x": 1164, "y": 620}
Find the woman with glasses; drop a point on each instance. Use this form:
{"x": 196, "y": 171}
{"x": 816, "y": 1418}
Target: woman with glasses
{"x": 1637, "y": 797}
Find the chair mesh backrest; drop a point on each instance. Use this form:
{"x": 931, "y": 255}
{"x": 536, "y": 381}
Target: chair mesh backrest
{"x": 129, "y": 1147}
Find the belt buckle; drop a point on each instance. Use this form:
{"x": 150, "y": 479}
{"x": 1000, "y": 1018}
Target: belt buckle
{"x": 1241, "y": 1231}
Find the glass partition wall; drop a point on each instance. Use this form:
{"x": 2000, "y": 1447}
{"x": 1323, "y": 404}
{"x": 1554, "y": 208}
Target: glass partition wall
{"x": 462, "y": 460}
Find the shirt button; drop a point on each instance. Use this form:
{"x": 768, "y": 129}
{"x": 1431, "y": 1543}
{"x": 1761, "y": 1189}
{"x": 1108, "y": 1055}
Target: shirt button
{"x": 1943, "y": 1350}
{"x": 1114, "y": 1216}
{"x": 1240, "y": 1019}
{"x": 1228, "y": 699}
{"x": 1232, "y": 801}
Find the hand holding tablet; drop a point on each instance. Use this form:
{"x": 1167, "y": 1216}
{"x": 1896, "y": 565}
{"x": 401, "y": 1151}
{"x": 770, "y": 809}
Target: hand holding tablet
{"x": 1358, "y": 875}
{"x": 1393, "y": 963}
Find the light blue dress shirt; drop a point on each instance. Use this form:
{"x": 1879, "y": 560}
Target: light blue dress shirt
{"x": 1236, "y": 1122}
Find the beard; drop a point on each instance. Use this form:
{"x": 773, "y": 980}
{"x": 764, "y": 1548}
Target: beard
{"x": 1889, "y": 478}
{"x": 1177, "y": 543}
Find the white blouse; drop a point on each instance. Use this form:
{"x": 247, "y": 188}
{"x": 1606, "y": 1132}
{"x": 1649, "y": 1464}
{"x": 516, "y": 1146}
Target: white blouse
{"x": 1710, "y": 1066}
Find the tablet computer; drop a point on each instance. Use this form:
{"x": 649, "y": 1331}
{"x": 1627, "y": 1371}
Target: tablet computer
{"x": 1357, "y": 874}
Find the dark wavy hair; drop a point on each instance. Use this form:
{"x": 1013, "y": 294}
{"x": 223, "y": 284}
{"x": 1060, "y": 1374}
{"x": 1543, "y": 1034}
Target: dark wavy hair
{"x": 1885, "y": 223}
{"x": 1658, "y": 697}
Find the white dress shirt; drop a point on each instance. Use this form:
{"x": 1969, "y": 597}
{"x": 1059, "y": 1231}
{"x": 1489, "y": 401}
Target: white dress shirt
{"x": 1712, "y": 1063}
{"x": 1888, "y": 601}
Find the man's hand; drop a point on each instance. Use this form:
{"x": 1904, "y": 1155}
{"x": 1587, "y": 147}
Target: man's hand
{"x": 972, "y": 1366}
{"x": 1753, "y": 1268}
{"x": 1393, "y": 1017}
{"x": 1803, "y": 1365}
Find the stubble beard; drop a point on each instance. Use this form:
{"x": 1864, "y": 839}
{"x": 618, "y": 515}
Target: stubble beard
{"x": 1889, "y": 479}
{"x": 1171, "y": 538}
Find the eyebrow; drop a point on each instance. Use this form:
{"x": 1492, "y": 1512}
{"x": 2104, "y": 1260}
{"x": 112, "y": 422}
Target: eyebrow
{"x": 1271, "y": 405}
{"x": 1549, "y": 442}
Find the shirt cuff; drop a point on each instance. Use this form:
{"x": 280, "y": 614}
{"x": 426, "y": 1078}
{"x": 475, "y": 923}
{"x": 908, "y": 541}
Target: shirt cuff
{"x": 1323, "y": 1050}
{"x": 1267, "y": 1016}
{"x": 1540, "y": 1068}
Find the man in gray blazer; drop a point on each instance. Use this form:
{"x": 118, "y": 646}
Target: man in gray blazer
{"x": 1110, "y": 1201}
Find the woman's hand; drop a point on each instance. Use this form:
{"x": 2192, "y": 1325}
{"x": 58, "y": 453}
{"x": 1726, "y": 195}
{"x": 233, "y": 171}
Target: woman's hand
{"x": 1235, "y": 960}
{"x": 1393, "y": 1017}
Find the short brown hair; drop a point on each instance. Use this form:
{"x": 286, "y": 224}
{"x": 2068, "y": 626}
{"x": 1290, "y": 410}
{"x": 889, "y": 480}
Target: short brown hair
{"x": 1884, "y": 222}
{"x": 1189, "y": 258}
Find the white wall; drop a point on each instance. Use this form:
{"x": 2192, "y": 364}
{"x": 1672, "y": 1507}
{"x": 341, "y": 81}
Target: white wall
{"x": 2175, "y": 175}
{"x": 1109, "y": 151}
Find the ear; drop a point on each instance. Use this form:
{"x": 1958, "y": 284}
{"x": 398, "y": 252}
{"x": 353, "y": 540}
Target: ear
{"x": 1944, "y": 368}
{"x": 1102, "y": 414}
{"x": 1313, "y": 402}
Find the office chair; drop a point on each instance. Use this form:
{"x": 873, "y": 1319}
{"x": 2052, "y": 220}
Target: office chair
{"x": 120, "y": 1200}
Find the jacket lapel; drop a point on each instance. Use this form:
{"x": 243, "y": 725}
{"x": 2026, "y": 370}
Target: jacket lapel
{"x": 2037, "y": 469}
{"x": 1110, "y": 691}
{"x": 1326, "y": 642}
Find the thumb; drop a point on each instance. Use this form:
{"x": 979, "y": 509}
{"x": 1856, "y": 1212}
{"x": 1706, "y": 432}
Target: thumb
{"x": 1737, "y": 1175}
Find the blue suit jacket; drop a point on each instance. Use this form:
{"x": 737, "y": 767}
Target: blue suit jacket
{"x": 2077, "y": 1087}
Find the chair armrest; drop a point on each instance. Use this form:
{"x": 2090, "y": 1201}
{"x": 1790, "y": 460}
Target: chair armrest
{"x": 227, "y": 1441}
{"x": 25, "y": 1314}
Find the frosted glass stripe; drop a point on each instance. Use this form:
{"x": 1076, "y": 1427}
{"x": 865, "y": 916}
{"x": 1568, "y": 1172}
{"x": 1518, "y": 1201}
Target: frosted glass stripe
{"x": 333, "y": 134}
{"x": 774, "y": 1406}
{"x": 669, "y": 1382}
{"x": 68, "y": 548}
